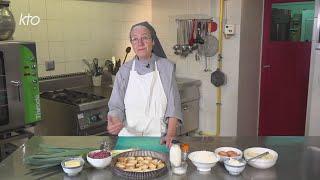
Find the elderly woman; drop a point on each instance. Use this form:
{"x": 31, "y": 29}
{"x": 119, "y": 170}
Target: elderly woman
{"x": 145, "y": 100}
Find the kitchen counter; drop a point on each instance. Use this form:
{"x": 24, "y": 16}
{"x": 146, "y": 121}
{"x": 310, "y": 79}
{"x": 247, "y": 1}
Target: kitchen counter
{"x": 299, "y": 157}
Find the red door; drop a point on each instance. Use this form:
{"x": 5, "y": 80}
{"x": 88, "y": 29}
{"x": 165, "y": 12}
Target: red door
{"x": 284, "y": 70}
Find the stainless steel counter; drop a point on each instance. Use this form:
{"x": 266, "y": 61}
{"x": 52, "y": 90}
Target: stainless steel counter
{"x": 299, "y": 158}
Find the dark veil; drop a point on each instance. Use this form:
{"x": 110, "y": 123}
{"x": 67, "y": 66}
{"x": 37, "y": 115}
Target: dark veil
{"x": 157, "y": 48}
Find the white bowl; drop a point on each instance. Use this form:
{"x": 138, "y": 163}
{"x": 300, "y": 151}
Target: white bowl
{"x": 225, "y": 149}
{"x": 203, "y": 160}
{"x": 72, "y": 171}
{"x": 263, "y": 162}
{"x": 99, "y": 163}
{"x": 234, "y": 169}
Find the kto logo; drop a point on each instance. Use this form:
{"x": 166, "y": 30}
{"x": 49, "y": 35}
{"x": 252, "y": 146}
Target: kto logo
{"x": 26, "y": 20}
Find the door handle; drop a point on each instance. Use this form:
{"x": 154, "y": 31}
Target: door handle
{"x": 186, "y": 107}
{"x": 17, "y": 84}
{"x": 266, "y": 66}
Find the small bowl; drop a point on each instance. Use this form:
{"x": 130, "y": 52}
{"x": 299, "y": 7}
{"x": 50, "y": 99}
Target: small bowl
{"x": 263, "y": 162}
{"x": 99, "y": 163}
{"x": 203, "y": 160}
{"x": 225, "y": 149}
{"x": 234, "y": 169}
{"x": 72, "y": 171}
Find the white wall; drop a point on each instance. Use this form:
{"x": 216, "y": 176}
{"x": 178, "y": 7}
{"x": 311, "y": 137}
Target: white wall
{"x": 163, "y": 16}
{"x": 72, "y": 30}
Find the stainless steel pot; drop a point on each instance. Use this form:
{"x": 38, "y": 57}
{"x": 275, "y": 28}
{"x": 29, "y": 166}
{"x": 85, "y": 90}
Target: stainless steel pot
{"x": 7, "y": 22}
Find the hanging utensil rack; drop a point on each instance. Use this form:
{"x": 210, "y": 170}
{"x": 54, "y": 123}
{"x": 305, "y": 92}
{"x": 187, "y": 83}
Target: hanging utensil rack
{"x": 190, "y": 33}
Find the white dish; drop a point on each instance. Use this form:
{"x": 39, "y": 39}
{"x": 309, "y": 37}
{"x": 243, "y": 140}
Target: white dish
{"x": 235, "y": 169}
{"x": 72, "y": 171}
{"x": 225, "y": 149}
{"x": 263, "y": 162}
{"x": 203, "y": 160}
{"x": 99, "y": 163}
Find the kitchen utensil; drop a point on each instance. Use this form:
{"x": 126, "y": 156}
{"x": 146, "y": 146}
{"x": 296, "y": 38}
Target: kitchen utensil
{"x": 214, "y": 26}
{"x": 210, "y": 48}
{"x": 218, "y": 78}
{"x": 256, "y": 157}
{"x": 191, "y": 38}
{"x": 199, "y": 39}
{"x": 95, "y": 65}
{"x": 128, "y": 49}
{"x": 210, "y": 45}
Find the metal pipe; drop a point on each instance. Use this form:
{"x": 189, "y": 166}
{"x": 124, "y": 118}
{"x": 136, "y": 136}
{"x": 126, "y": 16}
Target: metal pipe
{"x": 218, "y": 95}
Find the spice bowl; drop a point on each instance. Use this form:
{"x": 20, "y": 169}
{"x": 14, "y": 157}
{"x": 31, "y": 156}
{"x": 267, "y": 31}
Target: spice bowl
{"x": 235, "y": 166}
{"x": 72, "y": 166}
{"x": 99, "y": 159}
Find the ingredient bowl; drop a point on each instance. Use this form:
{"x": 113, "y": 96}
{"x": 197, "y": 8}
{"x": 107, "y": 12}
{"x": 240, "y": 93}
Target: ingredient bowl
{"x": 203, "y": 160}
{"x": 234, "y": 166}
{"x": 225, "y": 153}
{"x": 72, "y": 166}
{"x": 263, "y": 162}
{"x": 99, "y": 159}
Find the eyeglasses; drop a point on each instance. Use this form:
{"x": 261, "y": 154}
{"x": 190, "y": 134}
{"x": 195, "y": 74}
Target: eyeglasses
{"x": 145, "y": 39}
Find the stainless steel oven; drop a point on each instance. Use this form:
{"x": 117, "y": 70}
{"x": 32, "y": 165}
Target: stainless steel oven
{"x": 19, "y": 86}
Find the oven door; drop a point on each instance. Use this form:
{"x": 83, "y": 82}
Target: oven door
{"x": 12, "y": 110}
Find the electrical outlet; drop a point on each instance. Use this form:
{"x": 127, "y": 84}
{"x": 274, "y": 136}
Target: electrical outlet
{"x": 49, "y": 65}
{"x": 229, "y": 29}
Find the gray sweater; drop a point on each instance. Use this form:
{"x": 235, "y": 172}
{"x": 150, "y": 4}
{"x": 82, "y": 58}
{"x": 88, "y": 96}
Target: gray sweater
{"x": 168, "y": 79}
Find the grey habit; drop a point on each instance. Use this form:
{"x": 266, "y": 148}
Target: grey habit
{"x": 167, "y": 76}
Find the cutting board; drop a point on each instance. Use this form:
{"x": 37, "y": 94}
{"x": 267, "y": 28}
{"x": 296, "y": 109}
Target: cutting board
{"x": 139, "y": 142}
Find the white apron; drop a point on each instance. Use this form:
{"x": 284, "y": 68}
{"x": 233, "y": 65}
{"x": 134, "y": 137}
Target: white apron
{"x": 145, "y": 105}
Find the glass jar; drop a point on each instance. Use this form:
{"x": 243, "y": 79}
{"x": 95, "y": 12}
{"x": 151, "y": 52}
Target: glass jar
{"x": 7, "y": 23}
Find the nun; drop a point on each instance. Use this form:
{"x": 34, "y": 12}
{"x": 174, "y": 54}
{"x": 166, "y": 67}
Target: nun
{"x": 145, "y": 99}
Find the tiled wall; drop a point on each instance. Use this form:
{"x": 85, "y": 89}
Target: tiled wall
{"x": 72, "y": 30}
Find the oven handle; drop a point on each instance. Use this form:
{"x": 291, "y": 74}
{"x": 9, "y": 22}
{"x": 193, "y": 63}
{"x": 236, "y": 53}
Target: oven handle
{"x": 17, "y": 84}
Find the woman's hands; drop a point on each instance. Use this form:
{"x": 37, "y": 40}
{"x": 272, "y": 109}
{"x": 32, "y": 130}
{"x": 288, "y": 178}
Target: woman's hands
{"x": 171, "y": 132}
{"x": 114, "y": 125}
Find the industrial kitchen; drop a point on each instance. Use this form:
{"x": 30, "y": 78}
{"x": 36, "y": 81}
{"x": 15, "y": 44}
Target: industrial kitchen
{"x": 150, "y": 89}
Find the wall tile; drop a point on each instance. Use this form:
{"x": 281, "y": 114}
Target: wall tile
{"x": 56, "y": 51}
{"x": 42, "y": 52}
{"x": 54, "y": 9}
{"x": 39, "y": 33}
{"x": 55, "y": 30}
{"x": 60, "y": 68}
{"x": 38, "y": 8}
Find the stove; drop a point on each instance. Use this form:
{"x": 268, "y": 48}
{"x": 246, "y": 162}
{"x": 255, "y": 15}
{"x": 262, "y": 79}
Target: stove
{"x": 69, "y": 112}
{"x": 70, "y": 96}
